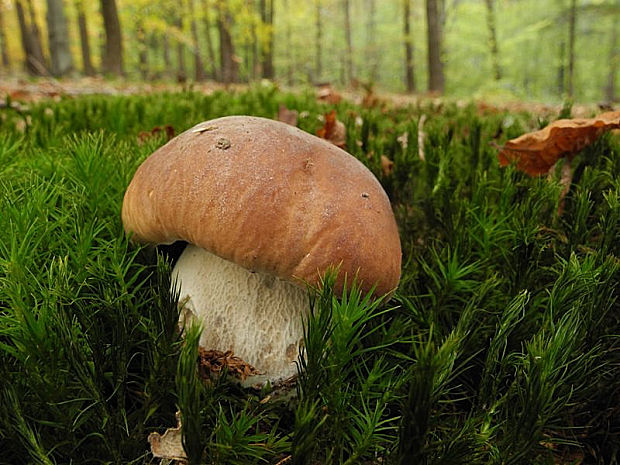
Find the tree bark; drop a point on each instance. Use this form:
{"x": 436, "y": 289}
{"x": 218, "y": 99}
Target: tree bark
{"x": 113, "y": 52}
{"x": 58, "y": 34}
{"x": 290, "y": 57}
{"x": 319, "y": 39}
{"x": 493, "y": 45}
{"x": 6, "y": 63}
{"x": 166, "y": 53}
{"x": 213, "y": 71}
{"x": 435, "y": 63}
{"x": 409, "y": 77}
{"x": 371, "y": 45}
{"x": 199, "y": 68}
{"x": 572, "y": 20}
{"x": 266, "y": 13}
{"x": 37, "y": 58}
{"x": 614, "y": 57}
{"x": 181, "y": 68}
{"x": 348, "y": 59}
{"x": 229, "y": 64}
{"x": 87, "y": 63}
{"x": 26, "y": 37}
{"x": 143, "y": 56}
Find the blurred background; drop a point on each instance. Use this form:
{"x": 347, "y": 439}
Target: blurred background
{"x": 535, "y": 50}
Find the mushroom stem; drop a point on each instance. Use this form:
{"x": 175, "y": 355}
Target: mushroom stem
{"x": 255, "y": 315}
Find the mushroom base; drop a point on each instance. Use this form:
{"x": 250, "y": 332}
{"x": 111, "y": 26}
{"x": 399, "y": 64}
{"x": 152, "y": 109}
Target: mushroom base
{"x": 256, "y": 316}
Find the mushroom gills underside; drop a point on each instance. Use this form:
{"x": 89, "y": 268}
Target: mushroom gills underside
{"x": 256, "y": 316}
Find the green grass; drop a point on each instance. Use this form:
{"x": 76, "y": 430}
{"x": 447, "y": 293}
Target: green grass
{"x": 501, "y": 345}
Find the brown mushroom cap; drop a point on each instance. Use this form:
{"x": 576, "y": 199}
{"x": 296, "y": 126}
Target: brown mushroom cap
{"x": 270, "y": 198}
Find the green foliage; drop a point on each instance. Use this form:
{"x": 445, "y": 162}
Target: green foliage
{"x": 500, "y": 346}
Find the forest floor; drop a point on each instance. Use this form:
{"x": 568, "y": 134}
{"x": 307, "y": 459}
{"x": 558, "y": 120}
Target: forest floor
{"x": 24, "y": 89}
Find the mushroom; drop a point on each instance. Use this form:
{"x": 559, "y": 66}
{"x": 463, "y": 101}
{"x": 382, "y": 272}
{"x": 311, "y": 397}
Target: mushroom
{"x": 266, "y": 209}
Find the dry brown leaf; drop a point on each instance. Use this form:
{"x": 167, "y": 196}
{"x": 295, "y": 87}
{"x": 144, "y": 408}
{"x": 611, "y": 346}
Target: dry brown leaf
{"x": 170, "y": 444}
{"x": 327, "y": 94}
{"x": 536, "y": 152}
{"x": 387, "y": 165}
{"x": 287, "y": 116}
{"x": 214, "y": 361}
{"x": 334, "y": 131}
{"x": 143, "y": 136}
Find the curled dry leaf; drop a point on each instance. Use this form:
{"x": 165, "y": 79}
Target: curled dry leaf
{"x": 333, "y": 130}
{"x": 170, "y": 444}
{"x": 327, "y": 94}
{"x": 287, "y": 116}
{"x": 143, "y": 136}
{"x": 214, "y": 361}
{"x": 536, "y": 152}
{"x": 387, "y": 165}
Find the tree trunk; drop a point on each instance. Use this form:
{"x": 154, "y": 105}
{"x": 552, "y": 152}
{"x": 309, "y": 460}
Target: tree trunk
{"x": 348, "y": 59}
{"x": 266, "y": 14}
{"x": 3, "y": 47}
{"x": 143, "y": 56}
{"x": 213, "y": 73}
{"x": 290, "y": 58}
{"x": 181, "y": 68}
{"x": 58, "y": 35}
{"x": 166, "y": 53}
{"x": 37, "y": 58}
{"x": 497, "y": 71}
{"x": 113, "y": 52}
{"x": 26, "y": 38}
{"x": 371, "y": 45}
{"x": 229, "y": 64}
{"x": 435, "y": 63}
{"x": 87, "y": 63}
{"x": 199, "y": 68}
{"x": 572, "y": 19}
{"x": 409, "y": 78}
{"x": 319, "y": 39}
{"x": 614, "y": 57}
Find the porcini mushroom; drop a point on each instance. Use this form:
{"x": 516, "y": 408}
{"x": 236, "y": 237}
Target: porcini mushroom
{"x": 266, "y": 209}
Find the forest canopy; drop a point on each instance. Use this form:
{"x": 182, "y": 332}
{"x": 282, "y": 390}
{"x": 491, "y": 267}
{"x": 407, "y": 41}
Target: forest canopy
{"x": 514, "y": 49}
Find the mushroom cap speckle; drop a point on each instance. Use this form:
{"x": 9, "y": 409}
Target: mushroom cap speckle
{"x": 270, "y": 198}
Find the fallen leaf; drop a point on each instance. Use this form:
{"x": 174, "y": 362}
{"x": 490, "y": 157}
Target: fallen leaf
{"x": 333, "y": 130}
{"x": 536, "y": 152}
{"x": 170, "y": 444}
{"x": 287, "y": 116}
{"x": 215, "y": 361}
{"x": 387, "y": 165}
{"x": 327, "y": 94}
{"x": 143, "y": 136}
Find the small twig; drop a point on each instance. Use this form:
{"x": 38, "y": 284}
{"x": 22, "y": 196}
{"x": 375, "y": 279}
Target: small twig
{"x": 421, "y": 137}
{"x": 285, "y": 459}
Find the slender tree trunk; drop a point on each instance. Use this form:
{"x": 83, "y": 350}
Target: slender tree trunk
{"x": 562, "y": 69}
{"x": 266, "y": 13}
{"x": 38, "y": 60}
{"x": 229, "y": 64}
{"x": 319, "y": 39}
{"x": 497, "y": 71}
{"x": 409, "y": 78}
{"x": 87, "y": 63}
{"x": 26, "y": 38}
{"x": 349, "y": 71}
{"x": 181, "y": 68}
{"x": 435, "y": 63}
{"x": 572, "y": 20}
{"x": 166, "y": 52}
{"x": 113, "y": 53}
{"x": 614, "y": 57}
{"x": 3, "y": 47}
{"x": 199, "y": 68}
{"x": 213, "y": 71}
{"x": 371, "y": 45}
{"x": 143, "y": 56}
{"x": 58, "y": 34}
{"x": 290, "y": 57}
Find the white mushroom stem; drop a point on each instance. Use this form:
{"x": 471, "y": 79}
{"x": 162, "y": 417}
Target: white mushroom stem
{"x": 256, "y": 316}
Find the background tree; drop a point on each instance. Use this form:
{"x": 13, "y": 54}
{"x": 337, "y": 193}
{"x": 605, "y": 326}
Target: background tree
{"x": 348, "y": 56}
{"x": 228, "y": 61}
{"x": 614, "y": 55}
{"x": 435, "y": 62}
{"x": 371, "y": 37}
{"x": 58, "y": 34}
{"x": 112, "y": 61}
{"x": 497, "y": 72}
{"x": 318, "y": 43}
{"x": 409, "y": 78}
{"x": 34, "y": 61}
{"x": 572, "y": 20}
{"x": 87, "y": 64}
{"x": 266, "y": 13}
{"x": 206, "y": 15}
{"x": 3, "y": 46}
{"x": 199, "y": 71}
